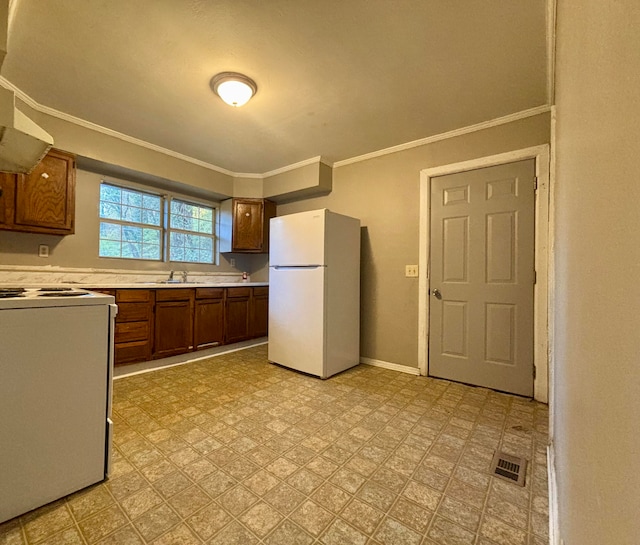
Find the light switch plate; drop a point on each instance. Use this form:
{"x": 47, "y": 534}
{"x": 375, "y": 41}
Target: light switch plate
{"x": 43, "y": 250}
{"x": 411, "y": 271}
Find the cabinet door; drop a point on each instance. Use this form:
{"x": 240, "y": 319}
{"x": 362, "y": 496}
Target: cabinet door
{"x": 259, "y": 312}
{"x": 237, "y": 319}
{"x": 247, "y": 225}
{"x": 45, "y": 198}
{"x": 7, "y": 198}
{"x": 209, "y": 323}
{"x": 173, "y": 328}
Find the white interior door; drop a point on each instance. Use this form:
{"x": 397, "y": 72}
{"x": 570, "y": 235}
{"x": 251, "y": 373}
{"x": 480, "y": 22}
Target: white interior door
{"x": 482, "y": 277}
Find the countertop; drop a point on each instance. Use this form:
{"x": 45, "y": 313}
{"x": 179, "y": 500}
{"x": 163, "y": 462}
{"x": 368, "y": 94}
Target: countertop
{"x": 140, "y": 285}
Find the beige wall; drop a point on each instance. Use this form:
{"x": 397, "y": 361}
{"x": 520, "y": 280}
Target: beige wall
{"x": 596, "y": 389}
{"x": 384, "y": 193}
{"x": 114, "y": 151}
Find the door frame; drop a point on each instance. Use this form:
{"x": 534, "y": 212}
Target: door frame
{"x": 541, "y": 259}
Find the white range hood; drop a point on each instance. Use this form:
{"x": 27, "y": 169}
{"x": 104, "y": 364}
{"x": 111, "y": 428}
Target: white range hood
{"x": 22, "y": 142}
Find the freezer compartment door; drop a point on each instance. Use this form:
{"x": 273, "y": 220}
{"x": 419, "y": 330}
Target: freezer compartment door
{"x": 297, "y": 318}
{"x": 298, "y": 239}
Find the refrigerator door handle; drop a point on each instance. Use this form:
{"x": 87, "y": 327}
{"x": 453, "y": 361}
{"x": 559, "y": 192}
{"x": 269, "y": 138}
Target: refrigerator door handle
{"x": 290, "y": 267}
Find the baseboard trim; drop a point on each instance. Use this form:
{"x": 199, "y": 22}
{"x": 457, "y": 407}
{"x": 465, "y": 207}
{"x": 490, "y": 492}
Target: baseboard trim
{"x": 391, "y": 366}
{"x": 554, "y": 528}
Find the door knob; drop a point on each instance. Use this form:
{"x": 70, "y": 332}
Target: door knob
{"x": 436, "y": 293}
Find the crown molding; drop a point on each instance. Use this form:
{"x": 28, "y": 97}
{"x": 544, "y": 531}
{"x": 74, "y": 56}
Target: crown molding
{"x": 446, "y": 135}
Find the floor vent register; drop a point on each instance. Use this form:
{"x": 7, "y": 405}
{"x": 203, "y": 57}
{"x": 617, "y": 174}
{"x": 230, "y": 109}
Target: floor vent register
{"x": 510, "y": 468}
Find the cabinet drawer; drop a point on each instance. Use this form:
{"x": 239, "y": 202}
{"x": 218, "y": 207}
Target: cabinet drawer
{"x": 209, "y": 293}
{"x": 133, "y": 312}
{"x": 238, "y": 292}
{"x": 131, "y": 331}
{"x": 133, "y": 296}
{"x": 131, "y": 352}
{"x": 178, "y": 294}
{"x": 261, "y": 290}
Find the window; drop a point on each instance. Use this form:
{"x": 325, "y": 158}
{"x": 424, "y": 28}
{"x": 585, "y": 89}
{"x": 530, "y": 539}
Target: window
{"x": 190, "y": 232}
{"x": 133, "y": 226}
{"x": 131, "y": 223}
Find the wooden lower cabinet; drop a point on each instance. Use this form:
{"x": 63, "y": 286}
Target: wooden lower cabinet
{"x": 173, "y": 332}
{"x": 134, "y": 324}
{"x": 259, "y": 320}
{"x": 208, "y": 320}
{"x": 157, "y": 323}
{"x": 237, "y": 314}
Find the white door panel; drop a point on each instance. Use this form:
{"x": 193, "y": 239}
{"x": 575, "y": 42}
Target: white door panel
{"x": 296, "y": 318}
{"x": 298, "y": 239}
{"x": 482, "y": 264}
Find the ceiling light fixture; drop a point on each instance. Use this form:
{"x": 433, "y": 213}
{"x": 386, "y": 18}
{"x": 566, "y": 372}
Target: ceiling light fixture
{"x": 235, "y": 89}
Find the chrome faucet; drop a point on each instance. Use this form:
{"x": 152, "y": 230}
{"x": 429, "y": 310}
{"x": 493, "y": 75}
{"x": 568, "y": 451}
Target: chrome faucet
{"x": 185, "y": 276}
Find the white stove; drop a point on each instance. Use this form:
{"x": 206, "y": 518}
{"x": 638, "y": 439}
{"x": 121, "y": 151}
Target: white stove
{"x": 56, "y": 368}
{"x": 18, "y": 297}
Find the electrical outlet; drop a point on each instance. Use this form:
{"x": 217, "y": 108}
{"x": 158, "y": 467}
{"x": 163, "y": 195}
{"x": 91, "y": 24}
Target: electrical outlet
{"x": 411, "y": 271}
{"x": 43, "y": 250}
{"x": 232, "y": 261}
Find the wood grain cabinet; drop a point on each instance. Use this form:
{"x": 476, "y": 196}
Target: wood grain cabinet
{"x": 157, "y": 323}
{"x": 208, "y": 320}
{"x": 259, "y": 318}
{"x": 237, "y": 314}
{"x": 134, "y": 325}
{"x": 42, "y": 201}
{"x": 173, "y": 332}
{"x": 244, "y": 225}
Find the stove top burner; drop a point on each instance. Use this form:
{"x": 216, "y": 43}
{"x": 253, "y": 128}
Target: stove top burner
{"x": 55, "y": 289}
{"x": 12, "y": 290}
{"x": 62, "y": 294}
{"x": 7, "y": 294}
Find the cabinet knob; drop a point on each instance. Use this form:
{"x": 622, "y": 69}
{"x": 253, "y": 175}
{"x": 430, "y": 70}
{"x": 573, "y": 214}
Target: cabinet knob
{"x": 44, "y": 175}
{"x": 247, "y": 214}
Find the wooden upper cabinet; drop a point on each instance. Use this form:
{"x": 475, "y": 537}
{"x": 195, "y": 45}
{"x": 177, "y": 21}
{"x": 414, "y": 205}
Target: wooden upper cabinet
{"x": 245, "y": 225}
{"x": 42, "y": 201}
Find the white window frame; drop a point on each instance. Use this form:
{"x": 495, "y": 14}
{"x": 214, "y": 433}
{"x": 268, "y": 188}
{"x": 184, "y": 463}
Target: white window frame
{"x": 168, "y": 229}
{"x": 164, "y": 228}
{"x": 159, "y": 227}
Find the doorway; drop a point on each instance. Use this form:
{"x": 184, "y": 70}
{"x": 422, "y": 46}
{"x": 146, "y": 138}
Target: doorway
{"x": 483, "y": 272}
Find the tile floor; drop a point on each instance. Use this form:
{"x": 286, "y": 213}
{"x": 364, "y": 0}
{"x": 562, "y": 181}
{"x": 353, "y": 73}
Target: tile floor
{"x": 234, "y": 451}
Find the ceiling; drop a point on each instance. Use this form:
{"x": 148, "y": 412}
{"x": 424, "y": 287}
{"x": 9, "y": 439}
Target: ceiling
{"x": 336, "y": 78}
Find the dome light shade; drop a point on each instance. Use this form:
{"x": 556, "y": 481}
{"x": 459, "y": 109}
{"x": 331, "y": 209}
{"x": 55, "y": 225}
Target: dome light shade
{"x": 233, "y": 88}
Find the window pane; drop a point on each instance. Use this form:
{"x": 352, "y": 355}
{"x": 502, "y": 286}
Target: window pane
{"x": 151, "y": 202}
{"x": 110, "y": 210}
{"x": 177, "y": 253}
{"x": 150, "y": 251}
{"x": 109, "y": 248}
{"x": 131, "y": 234}
{"x": 151, "y": 236}
{"x": 131, "y": 214}
{"x": 110, "y": 231}
{"x": 206, "y": 244}
{"x": 132, "y": 198}
{"x": 150, "y": 217}
{"x": 109, "y": 193}
{"x": 205, "y": 226}
{"x": 131, "y": 250}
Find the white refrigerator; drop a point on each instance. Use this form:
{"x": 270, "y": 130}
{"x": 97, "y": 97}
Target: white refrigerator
{"x": 314, "y": 292}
